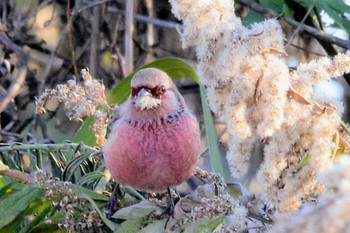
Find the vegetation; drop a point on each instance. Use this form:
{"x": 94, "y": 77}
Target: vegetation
{"x": 66, "y": 65}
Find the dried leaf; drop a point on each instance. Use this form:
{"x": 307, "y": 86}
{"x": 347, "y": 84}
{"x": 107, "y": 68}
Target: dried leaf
{"x": 344, "y": 142}
{"x": 336, "y": 142}
{"x": 298, "y": 97}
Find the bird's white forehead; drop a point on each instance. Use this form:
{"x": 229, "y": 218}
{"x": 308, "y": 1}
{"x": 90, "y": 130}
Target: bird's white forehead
{"x": 150, "y": 77}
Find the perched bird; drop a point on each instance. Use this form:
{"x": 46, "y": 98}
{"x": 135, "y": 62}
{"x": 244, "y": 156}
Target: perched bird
{"x": 155, "y": 143}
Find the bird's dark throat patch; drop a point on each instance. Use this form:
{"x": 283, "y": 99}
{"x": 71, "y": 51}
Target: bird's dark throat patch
{"x": 155, "y": 123}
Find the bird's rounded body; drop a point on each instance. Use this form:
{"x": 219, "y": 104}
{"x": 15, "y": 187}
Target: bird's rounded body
{"x": 153, "y": 149}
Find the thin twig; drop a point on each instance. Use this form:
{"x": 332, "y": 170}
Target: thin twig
{"x": 17, "y": 175}
{"x": 116, "y": 50}
{"x": 50, "y": 62}
{"x": 308, "y": 51}
{"x": 128, "y": 42}
{"x": 16, "y": 85}
{"x": 296, "y": 31}
{"x": 89, "y": 6}
{"x": 70, "y": 38}
{"x": 120, "y": 59}
{"x": 304, "y": 28}
{"x": 156, "y": 22}
{"x": 150, "y": 27}
{"x": 95, "y": 41}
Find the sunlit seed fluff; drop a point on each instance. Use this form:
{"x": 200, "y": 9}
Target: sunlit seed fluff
{"x": 271, "y": 96}
{"x": 238, "y": 155}
{"x": 248, "y": 87}
{"x": 325, "y": 68}
{"x": 332, "y": 210}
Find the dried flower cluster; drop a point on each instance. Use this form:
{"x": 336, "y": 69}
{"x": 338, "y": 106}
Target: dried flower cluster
{"x": 331, "y": 212}
{"x": 250, "y": 88}
{"x": 210, "y": 201}
{"x": 100, "y": 126}
{"x": 68, "y": 201}
{"x": 80, "y": 100}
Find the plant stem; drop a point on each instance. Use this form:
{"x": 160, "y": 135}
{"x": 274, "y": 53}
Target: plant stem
{"x": 48, "y": 147}
{"x": 17, "y": 175}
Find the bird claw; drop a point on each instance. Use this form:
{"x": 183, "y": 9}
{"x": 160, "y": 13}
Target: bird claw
{"x": 113, "y": 204}
{"x": 169, "y": 211}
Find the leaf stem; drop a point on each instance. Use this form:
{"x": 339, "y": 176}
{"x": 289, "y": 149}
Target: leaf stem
{"x": 4, "y": 147}
{"x": 17, "y": 175}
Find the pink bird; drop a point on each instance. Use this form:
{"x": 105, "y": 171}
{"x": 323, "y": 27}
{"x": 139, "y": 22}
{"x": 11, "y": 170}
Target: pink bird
{"x": 155, "y": 143}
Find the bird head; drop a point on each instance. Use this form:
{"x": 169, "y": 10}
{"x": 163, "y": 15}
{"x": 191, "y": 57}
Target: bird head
{"x": 152, "y": 89}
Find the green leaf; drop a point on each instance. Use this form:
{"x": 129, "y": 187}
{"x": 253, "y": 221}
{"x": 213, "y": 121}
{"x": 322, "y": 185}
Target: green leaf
{"x": 252, "y": 17}
{"x": 5, "y": 188}
{"x": 154, "y": 227}
{"x": 275, "y": 5}
{"x": 5, "y": 180}
{"x": 112, "y": 225}
{"x": 90, "y": 177}
{"x": 74, "y": 164}
{"x": 57, "y": 165}
{"x": 3, "y": 166}
{"x": 335, "y": 9}
{"x": 83, "y": 191}
{"x": 101, "y": 184}
{"x": 287, "y": 11}
{"x": 84, "y": 134}
{"x": 17, "y": 202}
{"x": 42, "y": 210}
{"x": 208, "y": 225}
{"x": 176, "y": 68}
{"x": 130, "y": 226}
{"x": 216, "y": 160}
{"x": 139, "y": 210}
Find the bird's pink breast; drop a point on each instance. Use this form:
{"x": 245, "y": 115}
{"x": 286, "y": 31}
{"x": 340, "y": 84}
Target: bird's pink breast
{"x": 153, "y": 158}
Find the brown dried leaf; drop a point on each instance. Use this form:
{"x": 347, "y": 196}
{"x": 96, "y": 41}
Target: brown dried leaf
{"x": 293, "y": 94}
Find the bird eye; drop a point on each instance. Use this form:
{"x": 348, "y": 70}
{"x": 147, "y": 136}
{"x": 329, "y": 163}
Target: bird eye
{"x": 162, "y": 89}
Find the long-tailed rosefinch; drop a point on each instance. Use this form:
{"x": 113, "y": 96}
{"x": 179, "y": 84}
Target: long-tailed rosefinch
{"x": 154, "y": 145}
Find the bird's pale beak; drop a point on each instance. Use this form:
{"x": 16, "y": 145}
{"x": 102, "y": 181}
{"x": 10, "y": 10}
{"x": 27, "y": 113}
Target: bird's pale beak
{"x": 145, "y": 100}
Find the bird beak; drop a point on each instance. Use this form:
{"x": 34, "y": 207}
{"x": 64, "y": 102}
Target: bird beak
{"x": 145, "y": 100}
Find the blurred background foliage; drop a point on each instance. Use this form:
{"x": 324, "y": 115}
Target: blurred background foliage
{"x": 44, "y": 43}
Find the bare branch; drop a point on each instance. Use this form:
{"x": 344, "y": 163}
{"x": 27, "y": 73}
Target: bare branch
{"x": 22, "y": 71}
{"x": 149, "y": 20}
{"x": 128, "y": 42}
{"x": 74, "y": 12}
{"x": 298, "y": 28}
{"x": 70, "y": 38}
{"x": 95, "y": 41}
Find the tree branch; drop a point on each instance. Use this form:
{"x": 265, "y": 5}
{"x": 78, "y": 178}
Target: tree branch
{"x": 145, "y": 19}
{"x": 128, "y": 42}
{"x": 303, "y": 28}
{"x": 16, "y": 85}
